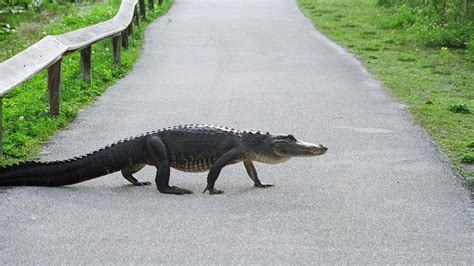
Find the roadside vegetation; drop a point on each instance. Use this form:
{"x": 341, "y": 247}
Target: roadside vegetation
{"x": 27, "y": 123}
{"x": 423, "y": 52}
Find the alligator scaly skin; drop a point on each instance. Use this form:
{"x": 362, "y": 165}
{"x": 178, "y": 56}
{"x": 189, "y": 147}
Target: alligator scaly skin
{"x": 190, "y": 148}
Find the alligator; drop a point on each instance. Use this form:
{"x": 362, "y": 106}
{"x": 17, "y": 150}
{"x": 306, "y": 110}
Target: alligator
{"x": 189, "y": 148}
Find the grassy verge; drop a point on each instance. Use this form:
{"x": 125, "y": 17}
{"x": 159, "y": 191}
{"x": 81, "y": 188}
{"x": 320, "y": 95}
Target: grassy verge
{"x": 26, "y": 121}
{"x": 436, "y": 83}
{"x": 20, "y": 27}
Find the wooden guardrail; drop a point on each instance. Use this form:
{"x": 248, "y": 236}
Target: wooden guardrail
{"x": 49, "y": 51}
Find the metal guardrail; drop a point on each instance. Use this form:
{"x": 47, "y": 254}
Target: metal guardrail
{"x": 49, "y": 51}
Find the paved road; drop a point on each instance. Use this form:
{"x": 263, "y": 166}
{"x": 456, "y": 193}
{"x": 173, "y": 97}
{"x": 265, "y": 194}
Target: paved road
{"x": 383, "y": 193}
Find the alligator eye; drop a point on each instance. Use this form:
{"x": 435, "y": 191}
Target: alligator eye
{"x": 284, "y": 138}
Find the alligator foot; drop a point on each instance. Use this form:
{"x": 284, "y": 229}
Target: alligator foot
{"x": 144, "y": 183}
{"x": 263, "y": 185}
{"x": 175, "y": 190}
{"x": 213, "y": 191}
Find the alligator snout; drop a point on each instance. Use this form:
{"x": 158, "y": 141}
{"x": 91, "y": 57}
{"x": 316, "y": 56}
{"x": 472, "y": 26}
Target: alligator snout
{"x": 319, "y": 149}
{"x": 309, "y": 149}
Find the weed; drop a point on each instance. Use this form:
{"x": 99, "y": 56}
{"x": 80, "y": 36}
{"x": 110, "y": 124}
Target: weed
{"x": 406, "y": 58}
{"x": 455, "y": 36}
{"x": 468, "y": 159}
{"x": 405, "y": 17}
{"x": 459, "y": 108}
{"x": 317, "y": 13}
{"x": 437, "y": 23}
{"x": 470, "y": 145}
{"x": 349, "y": 25}
{"x": 369, "y": 33}
{"x": 441, "y": 71}
{"x": 443, "y": 54}
{"x": 385, "y": 3}
{"x": 373, "y": 48}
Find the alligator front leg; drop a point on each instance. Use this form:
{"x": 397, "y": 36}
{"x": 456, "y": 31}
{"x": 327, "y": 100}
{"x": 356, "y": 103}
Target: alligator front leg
{"x": 252, "y": 172}
{"x": 216, "y": 168}
{"x": 157, "y": 155}
{"x": 128, "y": 174}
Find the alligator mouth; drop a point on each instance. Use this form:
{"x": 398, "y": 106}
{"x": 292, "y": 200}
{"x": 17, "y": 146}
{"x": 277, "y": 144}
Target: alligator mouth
{"x": 308, "y": 149}
{"x": 300, "y": 149}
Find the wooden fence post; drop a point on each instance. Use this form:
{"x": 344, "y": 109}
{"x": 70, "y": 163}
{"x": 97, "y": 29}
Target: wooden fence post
{"x": 137, "y": 16}
{"x": 86, "y": 64}
{"x": 116, "y": 43}
{"x": 151, "y": 5}
{"x": 125, "y": 38}
{"x": 54, "y": 87}
{"x": 142, "y": 9}
{"x": 1, "y": 127}
{"x": 130, "y": 28}
{"x": 466, "y": 8}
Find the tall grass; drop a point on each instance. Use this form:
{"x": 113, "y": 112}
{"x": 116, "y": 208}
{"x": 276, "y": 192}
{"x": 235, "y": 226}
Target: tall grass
{"x": 438, "y": 23}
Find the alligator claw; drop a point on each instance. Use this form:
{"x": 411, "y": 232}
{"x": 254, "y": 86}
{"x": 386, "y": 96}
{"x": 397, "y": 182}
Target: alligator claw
{"x": 144, "y": 183}
{"x": 175, "y": 190}
{"x": 213, "y": 191}
{"x": 264, "y": 185}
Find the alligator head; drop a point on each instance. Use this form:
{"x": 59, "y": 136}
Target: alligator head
{"x": 267, "y": 148}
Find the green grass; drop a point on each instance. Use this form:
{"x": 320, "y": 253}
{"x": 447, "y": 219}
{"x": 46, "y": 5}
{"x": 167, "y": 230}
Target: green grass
{"x": 26, "y": 120}
{"x": 18, "y": 31}
{"x": 436, "y": 83}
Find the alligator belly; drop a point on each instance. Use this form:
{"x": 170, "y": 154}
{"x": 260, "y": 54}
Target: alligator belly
{"x": 192, "y": 165}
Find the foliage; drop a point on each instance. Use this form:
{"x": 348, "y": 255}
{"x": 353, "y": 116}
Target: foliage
{"x": 456, "y": 35}
{"x": 26, "y": 120}
{"x": 405, "y": 17}
{"x": 436, "y": 83}
{"x": 468, "y": 159}
{"x": 12, "y": 3}
{"x": 438, "y": 22}
{"x": 28, "y": 20}
{"x": 459, "y": 108}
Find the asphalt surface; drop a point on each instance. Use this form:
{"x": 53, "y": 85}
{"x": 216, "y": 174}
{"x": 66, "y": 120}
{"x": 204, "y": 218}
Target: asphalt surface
{"x": 382, "y": 194}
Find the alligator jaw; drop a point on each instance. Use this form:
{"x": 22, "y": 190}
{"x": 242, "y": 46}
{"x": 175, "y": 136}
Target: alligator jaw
{"x": 289, "y": 146}
{"x": 273, "y": 149}
{"x": 305, "y": 149}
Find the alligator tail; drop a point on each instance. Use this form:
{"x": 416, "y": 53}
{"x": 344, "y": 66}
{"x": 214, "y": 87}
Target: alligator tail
{"x": 67, "y": 172}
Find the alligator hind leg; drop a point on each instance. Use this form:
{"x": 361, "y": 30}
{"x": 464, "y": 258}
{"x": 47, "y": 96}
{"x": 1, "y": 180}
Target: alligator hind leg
{"x": 128, "y": 174}
{"x": 157, "y": 156}
{"x": 252, "y": 172}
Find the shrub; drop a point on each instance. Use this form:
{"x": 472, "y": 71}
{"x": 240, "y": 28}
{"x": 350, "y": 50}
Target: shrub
{"x": 406, "y": 58}
{"x": 468, "y": 159}
{"x": 437, "y": 23}
{"x": 470, "y": 145}
{"x": 459, "y": 108}
{"x": 452, "y": 35}
{"x": 385, "y": 3}
{"x": 404, "y": 17}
